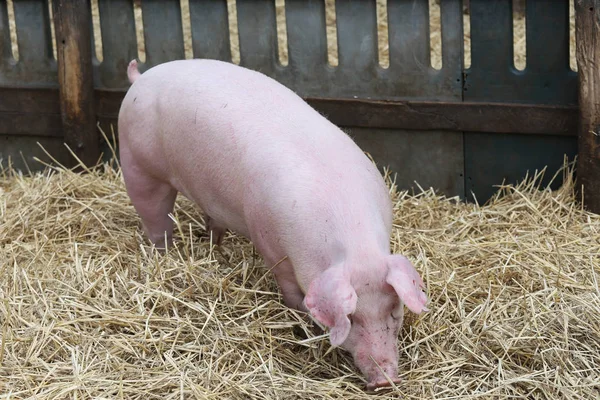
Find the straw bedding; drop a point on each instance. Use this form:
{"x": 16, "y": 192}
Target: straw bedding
{"x": 89, "y": 310}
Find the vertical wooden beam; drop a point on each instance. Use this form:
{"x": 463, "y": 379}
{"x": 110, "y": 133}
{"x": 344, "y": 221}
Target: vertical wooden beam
{"x": 72, "y": 21}
{"x": 587, "y": 21}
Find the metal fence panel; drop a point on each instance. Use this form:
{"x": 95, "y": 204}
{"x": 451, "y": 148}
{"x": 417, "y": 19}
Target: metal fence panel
{"x": 163, "y": 31}
{"x": 454, "y": 162}
{"x": 308, "y": 72}
{"x": 492, "y": 77}
{"x": 258, "y": 35}
{"x": 36, "y": 65}
{"x": 119, "y": 43}
{"x": 210, "y": 29}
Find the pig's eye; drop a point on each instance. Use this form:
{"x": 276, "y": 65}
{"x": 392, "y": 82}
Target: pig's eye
{"x": 397, "y": 312}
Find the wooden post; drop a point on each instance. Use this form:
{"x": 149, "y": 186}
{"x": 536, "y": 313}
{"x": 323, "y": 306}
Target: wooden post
{"x": 72, "y": 22}
{"x": 587, "y": 22}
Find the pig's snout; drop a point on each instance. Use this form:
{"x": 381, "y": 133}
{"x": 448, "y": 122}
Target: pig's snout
{"x": 376, "y": 370}
{"x": 382, "y": 383}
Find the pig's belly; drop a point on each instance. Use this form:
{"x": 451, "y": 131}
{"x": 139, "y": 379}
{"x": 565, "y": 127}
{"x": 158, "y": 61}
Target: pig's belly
{"x": 223, "y": 213}
{"x": 224, "y": 207}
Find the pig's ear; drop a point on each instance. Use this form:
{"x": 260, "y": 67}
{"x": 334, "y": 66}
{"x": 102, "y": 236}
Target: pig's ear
{"x": 407, "y": 283}
{"x": 330, "y": 299}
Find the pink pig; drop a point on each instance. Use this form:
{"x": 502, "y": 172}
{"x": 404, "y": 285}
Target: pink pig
{"x": 261, "y": 162}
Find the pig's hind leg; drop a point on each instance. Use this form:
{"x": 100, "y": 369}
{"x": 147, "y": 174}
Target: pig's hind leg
{"x": 153, "y": 200}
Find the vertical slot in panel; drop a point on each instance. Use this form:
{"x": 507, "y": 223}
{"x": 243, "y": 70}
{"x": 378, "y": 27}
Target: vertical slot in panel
{"x": 357, "y": 34}
{"x": 13, "y": 29}
{"x": 383, "y": 44}
{"x": 163, "y": 31}
{"x": 96, "y": 31}
{"x": 282, "y": 40}
{"x": 491, "y": 35}
{"x": 409, "y": 36}
{"x": 572, "y": 42}
{"x": 119, "y": 45}
{"x": 186, "y": 28}
{"x": 331, "y": 28}
{"x": 139, "y": 30}
{"x": 466, "y": 38}
{"x": 35, "y": 42}
{"x": 435, "y": 35}
{"x": 52, "y": 32}
{"x": 547, "y": 36}
{"x": 6, "y": 51}
{"x": 258, "y": 35}
{"x": 307, "y": 36}
{"x": 520, "y": 47}
{"x": 210, "y": 29}
{"x": 234, "y": 36}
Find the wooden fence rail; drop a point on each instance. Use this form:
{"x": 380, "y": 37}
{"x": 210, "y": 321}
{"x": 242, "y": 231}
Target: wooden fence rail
{"x": 75, "y": 79}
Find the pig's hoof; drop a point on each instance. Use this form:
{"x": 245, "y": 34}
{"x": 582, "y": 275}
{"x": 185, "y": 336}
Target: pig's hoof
{"x": 382, "y": 384}
{"x": 299, "y": 332}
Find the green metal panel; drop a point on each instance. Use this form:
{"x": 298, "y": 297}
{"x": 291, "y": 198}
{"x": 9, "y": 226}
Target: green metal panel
{"x": 491, "y": 159}
{"x": 119, "y": 45}
{"x": 427, "y": 159}
{"x": 22, "y": 151}
{"x": 36, "y": 65}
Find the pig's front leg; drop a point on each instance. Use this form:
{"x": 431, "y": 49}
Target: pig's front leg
{"x": 290, "y": 290}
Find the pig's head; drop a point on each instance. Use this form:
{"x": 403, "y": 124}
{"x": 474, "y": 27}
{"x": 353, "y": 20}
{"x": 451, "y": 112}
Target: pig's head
{"x": 364, "y": 312}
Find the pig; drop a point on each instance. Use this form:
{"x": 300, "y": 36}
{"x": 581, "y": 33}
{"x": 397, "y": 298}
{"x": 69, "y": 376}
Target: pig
{"x": 259, "y": 161}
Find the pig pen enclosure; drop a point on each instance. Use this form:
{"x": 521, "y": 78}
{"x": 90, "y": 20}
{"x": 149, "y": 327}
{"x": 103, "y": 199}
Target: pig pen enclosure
{"x": 448, "y": 102}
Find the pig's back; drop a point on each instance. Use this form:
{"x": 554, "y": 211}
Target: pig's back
{"x": 220, "y": 111}
{"x": 222, "y": 130}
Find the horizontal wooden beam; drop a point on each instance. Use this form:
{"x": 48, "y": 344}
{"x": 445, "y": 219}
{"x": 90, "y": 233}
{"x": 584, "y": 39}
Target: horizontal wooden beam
{"x": 29, "y": 124}
{"x": 452, "y": 116}
{"x": 22, "y": 106}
